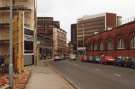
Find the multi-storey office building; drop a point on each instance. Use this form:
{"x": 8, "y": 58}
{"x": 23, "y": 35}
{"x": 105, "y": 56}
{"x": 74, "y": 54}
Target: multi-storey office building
{"x": 23, "y": 31}
{"x": 74, "y": 37}
{"x": 89, "y": 25}
{"x": 45, "y": 36}
{"x": 52, "y": 38}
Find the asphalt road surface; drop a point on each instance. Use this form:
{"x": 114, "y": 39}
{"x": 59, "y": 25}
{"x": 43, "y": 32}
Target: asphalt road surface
{"x": 96, "y": 76}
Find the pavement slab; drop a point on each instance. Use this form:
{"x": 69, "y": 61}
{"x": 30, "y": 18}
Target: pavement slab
{"x": 44, "y": 77}
{"x": 22, "y": 79}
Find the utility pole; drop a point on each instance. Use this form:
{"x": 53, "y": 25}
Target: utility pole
{"x": 35, "y": 33}
{"x": 11, "y": 46}
{"x": 83, "y": 35}
{"x": 83, "y": 39}
{"x": 77, "y": 41}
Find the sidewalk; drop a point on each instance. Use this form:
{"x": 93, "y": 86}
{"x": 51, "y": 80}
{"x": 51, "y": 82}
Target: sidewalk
{"x": 22, "y": 79}
{"x": 43, "y": 77}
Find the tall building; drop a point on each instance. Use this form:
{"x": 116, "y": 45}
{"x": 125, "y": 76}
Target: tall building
{"x": 23, "y": 31}
{"x": 60, "y": 42}
{"x": 45, "y": 36}
{"x": 89, "y": 25}
{"x": 52, "y": 38}
{"x": 74, "y": 37}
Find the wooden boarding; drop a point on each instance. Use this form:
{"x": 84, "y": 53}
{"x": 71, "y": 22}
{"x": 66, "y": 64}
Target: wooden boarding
{"x": 18, "y": 44}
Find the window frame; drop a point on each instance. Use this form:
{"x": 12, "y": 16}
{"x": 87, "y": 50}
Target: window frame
{"x": 121, "y": 44}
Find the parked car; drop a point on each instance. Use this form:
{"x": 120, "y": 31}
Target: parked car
{"x": 119, "y": 61}
{"x": 72, "y": 56}
{"x": 128, "y": 62}
{"x": 83, "y": 58}
{"x": 90, "y": 59}
{"x": 96, "y": 59}
{"x": 107, "y": 60}
{"x": 133, "y": 63}
{"x": 56, "y": 58}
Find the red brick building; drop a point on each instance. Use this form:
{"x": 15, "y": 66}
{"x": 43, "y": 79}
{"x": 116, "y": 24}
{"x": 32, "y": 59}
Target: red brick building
{"x": 120, "y": 41}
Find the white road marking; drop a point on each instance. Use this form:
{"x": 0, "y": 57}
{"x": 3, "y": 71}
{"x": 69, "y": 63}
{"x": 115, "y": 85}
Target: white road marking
{"x": 76, "y": 65}
{"x": 97, "y": 69}
{"x": 117, "y": 75}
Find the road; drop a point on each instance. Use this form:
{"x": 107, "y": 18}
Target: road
{"x": 96, "y": 76}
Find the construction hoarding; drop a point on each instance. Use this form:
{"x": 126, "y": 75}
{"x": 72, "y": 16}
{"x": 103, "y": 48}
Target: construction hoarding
{"x": 18, "y": 42}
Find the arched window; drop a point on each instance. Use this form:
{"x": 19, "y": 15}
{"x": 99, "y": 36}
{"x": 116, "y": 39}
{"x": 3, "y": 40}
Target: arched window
{"x": 101, "y": 47}
{"x": 120, "y": 44}
{"x": 110, "y": 45}
{"x": 91, "y": 47}
{"x": 95, "y": 46}
{"x": 133, "y": 42}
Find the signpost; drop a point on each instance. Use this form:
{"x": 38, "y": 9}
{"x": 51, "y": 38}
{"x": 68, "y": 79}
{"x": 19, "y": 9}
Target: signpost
{"x": 81, "y": 50}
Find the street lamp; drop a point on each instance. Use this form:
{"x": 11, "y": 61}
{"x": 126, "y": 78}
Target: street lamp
{"x": 11, "y": 47}
{"x": 37, "y": 52}
{"x": 83, "y": 34}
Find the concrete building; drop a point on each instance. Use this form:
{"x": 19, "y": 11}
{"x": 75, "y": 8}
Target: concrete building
{"x": 74, "y": 37}
{"x": 52, "y": 38}
{"x": 24, "y": 12}
{"x": 60, "y": 42}
{"x": 89, "y": 25}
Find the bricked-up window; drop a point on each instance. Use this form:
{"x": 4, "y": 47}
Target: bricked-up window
{"x": 121, "y": 44}
{"x": 110, "y": 45}
{"x": 101, "y": 47}
{"x": 133, "y": 42}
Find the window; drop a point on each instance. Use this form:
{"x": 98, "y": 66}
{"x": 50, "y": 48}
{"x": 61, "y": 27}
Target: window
{"x": 110, "y": 45}
{"x": 101, "y": 46}
{"x": 91, "y": 47}
{"x": 120, "y": 44}
{"x": 95, "y": 46}
{"x": 133, "y": 42}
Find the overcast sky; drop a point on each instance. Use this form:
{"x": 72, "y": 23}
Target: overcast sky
{"x": 68, "y": 11}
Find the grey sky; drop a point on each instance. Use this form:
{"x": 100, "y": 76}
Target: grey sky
{"x": 67, "y": 11}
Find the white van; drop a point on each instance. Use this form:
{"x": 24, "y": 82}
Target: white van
{"x": 72, "y": 56}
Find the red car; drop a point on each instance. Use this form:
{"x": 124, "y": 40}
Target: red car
{"x": 107, "y": 60}
{"x": 83, "y": 58}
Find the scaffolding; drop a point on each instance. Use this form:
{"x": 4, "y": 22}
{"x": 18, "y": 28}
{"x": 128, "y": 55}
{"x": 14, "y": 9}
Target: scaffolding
{"x": 23, "y": 19}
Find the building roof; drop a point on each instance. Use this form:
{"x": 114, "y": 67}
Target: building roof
{"x": 93, "y": 16}
{"x": 113, "y": 29}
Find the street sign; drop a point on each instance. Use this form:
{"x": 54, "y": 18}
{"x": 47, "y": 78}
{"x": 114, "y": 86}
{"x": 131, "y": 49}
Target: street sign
{"x": 81, "y": 48}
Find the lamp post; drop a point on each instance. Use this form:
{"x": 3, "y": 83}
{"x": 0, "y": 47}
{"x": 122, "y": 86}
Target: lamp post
{"x": 11, "y": 47}
{"x": 84, "y": 48}
{"x": 37, "y": 52}
{"x": 83, "y": 37}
